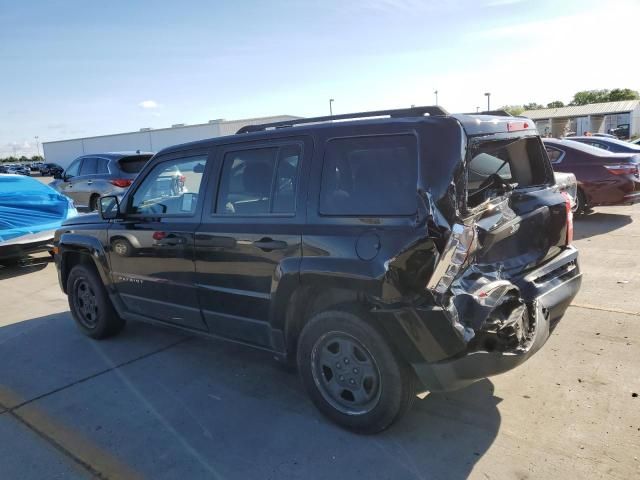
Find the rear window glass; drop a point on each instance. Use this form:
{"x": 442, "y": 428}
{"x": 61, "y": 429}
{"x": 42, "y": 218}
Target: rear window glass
{"x": 497, "y": 166}
{"x": 370, "y": 176}
{"x": 133, "y": 164}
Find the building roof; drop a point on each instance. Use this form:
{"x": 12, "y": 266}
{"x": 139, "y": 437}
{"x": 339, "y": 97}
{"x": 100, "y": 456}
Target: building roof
{"x": 606, "y": 108}
{"x": 223, "y": 124}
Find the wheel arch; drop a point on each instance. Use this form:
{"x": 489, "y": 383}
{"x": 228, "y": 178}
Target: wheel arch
{"x": 307, "y": 300}
{"x": 77, "y": 249}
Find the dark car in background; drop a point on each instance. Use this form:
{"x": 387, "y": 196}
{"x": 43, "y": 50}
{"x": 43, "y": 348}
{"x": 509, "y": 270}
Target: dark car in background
{"x": 91, "y": 176}
{"x": 604, "y": 178}
{"x": 612, "y": 145}
{"x": 51, "y": 169}
{"x": 386, "y": 253}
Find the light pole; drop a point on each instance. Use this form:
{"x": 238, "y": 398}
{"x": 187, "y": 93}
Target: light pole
{"x": 435, "y": 92}
{"x": 477, "y": 109}
{"x": 331, "y": 106}
{"x": 37, "y": 145}
{"x": 488, "y": 95}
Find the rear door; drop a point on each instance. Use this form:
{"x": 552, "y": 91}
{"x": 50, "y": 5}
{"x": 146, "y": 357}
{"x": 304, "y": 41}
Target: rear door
{"x": 249, "y": 243}
{"x": 521, "y": 220}
{"x": 152, "y": 250}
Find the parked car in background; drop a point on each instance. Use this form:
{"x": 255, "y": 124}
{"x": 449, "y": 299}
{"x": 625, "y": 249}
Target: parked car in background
{"x": 23, "y": 170}
{"x": 604, "y": 178}
{"x": 605, "y": 135}
{"x": 636, "y": 141}
{"x": 30, "y": 212}
{"x": 385, "y": 256}
{"x": 612, "y": 145}
{"x": 91, "y": 176}
{"x": 50, "y": 169}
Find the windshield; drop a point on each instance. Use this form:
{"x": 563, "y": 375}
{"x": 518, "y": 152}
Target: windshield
{"x": 133, "y": 164}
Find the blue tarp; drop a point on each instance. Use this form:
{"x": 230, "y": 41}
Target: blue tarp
{"x": 28, "y": 206}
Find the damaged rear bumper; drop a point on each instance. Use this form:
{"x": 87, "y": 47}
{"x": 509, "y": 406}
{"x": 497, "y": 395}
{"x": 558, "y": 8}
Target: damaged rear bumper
{"x": 547, "y": 292}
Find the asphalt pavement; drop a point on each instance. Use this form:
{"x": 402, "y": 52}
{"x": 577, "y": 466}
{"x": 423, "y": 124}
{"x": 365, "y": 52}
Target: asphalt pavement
{"x": 159, "y": 404}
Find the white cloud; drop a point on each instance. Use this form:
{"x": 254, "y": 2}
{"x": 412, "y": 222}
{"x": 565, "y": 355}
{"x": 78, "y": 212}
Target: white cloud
{"x": 148, "y": 104}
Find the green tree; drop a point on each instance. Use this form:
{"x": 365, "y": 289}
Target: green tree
{"x": 623, "y": 94}
{"x": 586, "y": 97}
{"x": 533, "y": 106}
{"x": 514, "y": 110}
{"x": 555, "y": 104}
{"x": 37, "y": 158}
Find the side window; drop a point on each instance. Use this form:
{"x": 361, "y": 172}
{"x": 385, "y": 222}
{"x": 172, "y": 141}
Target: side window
{"x": 170, "y": 188}
{"x": 102, "y": 166}
{"x": 554, "y": 155}
{"x": 89, "y": 165}
{"x": 599, "y": 145}
{"x": 74, "y": 168}
{"x": 259, "y": 181}
{"x": 370, "y": 176}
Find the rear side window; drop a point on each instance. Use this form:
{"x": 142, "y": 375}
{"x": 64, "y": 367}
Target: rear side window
{"x": 370, "y": 176}
{"x": 89, "y": 165}
{"x": 259, "y": 181}
{"x": 499, "y": 164}
{"x": 103, "y": 166}
{"x": 133, "y": 164}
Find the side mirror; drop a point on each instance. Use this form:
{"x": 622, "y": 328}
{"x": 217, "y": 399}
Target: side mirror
{"x": 109, "y": 207}
{"x": 57, "y": 175}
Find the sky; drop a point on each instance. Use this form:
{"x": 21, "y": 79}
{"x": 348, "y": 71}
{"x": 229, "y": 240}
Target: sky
{"x": 71, "y": 68}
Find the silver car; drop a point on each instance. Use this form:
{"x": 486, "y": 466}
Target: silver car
{"x": 91, "y": 176}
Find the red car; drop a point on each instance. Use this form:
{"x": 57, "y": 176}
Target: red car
{"x": 604, "y": 178}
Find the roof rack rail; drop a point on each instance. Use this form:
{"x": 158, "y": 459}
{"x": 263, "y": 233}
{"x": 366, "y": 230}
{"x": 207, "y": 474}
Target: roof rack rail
{"x": 433, "y": 110}
{"x": 495, "y": 113}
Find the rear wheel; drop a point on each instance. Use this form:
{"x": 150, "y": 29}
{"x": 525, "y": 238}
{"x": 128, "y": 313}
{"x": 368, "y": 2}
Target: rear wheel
{"x": 90, "y": 305}
{"x": 351, "y": 373}
{"x": 581, "y": 203}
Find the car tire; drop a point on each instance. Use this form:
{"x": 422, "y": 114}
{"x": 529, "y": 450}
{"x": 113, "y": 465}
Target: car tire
{"x": 90, "y": 305}
{"x": 122, "y": 247}
{"x": 93, "y": 202}
{"x": 351, "y": 373}
{"x": 581, "y": 203}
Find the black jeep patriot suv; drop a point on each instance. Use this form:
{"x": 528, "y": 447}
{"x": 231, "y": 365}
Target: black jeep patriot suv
{"x": 387, "y": 253}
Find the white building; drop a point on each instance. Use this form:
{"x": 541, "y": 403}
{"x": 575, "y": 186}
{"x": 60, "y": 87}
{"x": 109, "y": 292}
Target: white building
{"x": 594, "y": 118}
{"x": 63, "y": 152}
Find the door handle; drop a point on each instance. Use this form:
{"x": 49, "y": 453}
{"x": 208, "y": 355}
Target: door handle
{"x": 90, "y": 182}
{"x": 267, "y": 244}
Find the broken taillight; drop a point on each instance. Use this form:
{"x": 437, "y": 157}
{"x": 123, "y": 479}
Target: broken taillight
{"x": 567, "y": 203}
{"x": 455, "y": 254}
{"x": 121, "y": 182}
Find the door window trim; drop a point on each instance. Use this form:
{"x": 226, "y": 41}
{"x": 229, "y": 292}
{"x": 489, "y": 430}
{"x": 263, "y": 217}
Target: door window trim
{"x": 128, "y": 200}
{"x": 276, "y": 143}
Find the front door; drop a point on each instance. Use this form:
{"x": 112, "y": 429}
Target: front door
{"x": 249, "y": 242}
{"x": 152, "y": 249}
{"x": 68, "y": 181}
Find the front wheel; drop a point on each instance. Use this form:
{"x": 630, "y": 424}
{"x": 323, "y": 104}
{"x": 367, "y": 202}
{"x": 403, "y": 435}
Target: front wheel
{"x": 90, "y": 305}
{"x": 351, "y": 373}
